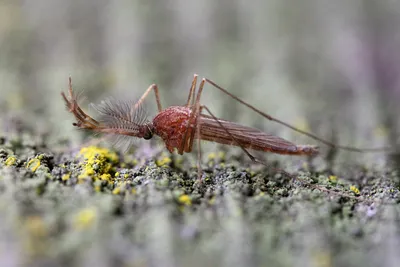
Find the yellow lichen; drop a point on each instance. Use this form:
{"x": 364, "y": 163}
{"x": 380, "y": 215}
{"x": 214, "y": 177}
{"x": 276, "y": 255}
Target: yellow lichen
{"x": 90, "y": 153}
{"x": 119, "y": 188}
{"x": 10, "y": 161}
{"x": 106, "y": 177}
{"x": 333, "y": 178}
{"x": 116, "y": 191}
{"x": 185, "y": 199}
{"x": 305, "y": 165}
{"x": 355, "y": 189}
{"x": 219, "y": 155}
{"x": 85, "y": 218}
{"x": 35, "y": 229}
{"x": 35, "y": 226}
{"x": 211, "y": 156}
{"x": 66, "y": 177}
{"x": 33, "y": 164}
{"x": 211, "y": 201}
{"x": 164, "y": 161}
{"x": 98, "y": 163}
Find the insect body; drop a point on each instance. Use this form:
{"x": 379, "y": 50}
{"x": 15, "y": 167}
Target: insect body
{"x": 179, "y": 126}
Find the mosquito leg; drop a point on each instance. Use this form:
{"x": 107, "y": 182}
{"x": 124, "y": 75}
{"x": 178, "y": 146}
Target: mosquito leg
{"x": 197, "y": 111}
{"x": 190, "y": 100}
{"x": 311, "y": 135}
{"x": 199, "y": 157}
{"x": 187, "y": 141}
{"x": 141, "y": 99}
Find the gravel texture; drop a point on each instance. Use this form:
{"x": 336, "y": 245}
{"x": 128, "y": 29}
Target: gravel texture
{"x": 63, "y": 205}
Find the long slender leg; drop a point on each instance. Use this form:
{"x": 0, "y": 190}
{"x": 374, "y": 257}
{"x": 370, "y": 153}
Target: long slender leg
{"x": 141, "y": 99}
{"x": 197, "y": 111}
{"x": 199, "y": 157}
{"x": 311, "y": 135}
{"x": 187, "y": 140}
{"x": 190, "y": 100}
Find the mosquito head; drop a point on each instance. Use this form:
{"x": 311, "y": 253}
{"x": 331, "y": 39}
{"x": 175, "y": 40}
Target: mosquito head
{"x": 147, "y": 131}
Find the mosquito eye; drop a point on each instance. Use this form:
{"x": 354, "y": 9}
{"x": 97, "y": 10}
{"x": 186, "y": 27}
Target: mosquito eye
{"x": 148, "y": 135}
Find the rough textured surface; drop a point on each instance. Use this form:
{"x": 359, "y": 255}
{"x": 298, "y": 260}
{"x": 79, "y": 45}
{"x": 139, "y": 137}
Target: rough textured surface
{"x": 93, "y": 206}
{"x": 329, "y": 67}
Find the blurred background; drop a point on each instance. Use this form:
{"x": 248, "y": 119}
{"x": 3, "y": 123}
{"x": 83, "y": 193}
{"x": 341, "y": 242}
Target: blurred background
{"x": 323, "y": 66}
{"x": 329, "y": 67}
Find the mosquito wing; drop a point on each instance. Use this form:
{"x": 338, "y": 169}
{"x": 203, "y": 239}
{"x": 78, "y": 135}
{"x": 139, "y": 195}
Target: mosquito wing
{"x": 250, "y": 138}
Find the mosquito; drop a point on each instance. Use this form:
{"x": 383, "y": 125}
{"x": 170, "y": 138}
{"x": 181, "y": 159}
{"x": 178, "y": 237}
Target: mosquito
{"x": 180, "y": 126}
